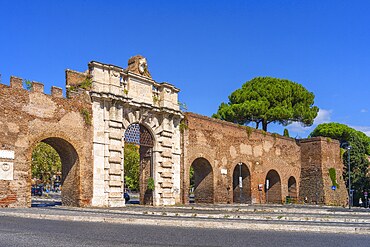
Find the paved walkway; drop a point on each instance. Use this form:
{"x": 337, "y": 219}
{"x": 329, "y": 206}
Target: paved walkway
{"x": 253, "y": 217}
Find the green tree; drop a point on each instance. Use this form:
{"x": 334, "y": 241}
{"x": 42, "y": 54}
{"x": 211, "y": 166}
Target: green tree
{"x": 28, "y": 84}
{"x": 286, "y": 133}
{"x": 359, "y": 153}
{"x": 132, "y": 166}
{"x": 191, "y": 177}
{"x": 45, "y": 162}
{"x": 269, "y": 100}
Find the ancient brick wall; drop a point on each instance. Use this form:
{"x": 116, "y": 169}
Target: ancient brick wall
{"x": 74, "y": 78}
{"x": 224, "y": 145}
{"x": 318, "y": 155}
{"x": 231, "y": 163}
{"x": 27, "y": 118}
{"x": 295, "y": 168}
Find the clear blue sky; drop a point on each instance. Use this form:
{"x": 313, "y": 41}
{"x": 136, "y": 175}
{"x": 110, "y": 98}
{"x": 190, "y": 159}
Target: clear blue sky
{"x": 206, "y": 48}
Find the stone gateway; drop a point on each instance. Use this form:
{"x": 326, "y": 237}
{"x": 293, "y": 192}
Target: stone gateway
{"x": 187, "y": 156}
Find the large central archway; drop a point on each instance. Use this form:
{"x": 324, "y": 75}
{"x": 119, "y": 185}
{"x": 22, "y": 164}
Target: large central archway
{"x": 201, "y": 181}
{"x": 139, "y": 135}
{"x": 241, "y": 184}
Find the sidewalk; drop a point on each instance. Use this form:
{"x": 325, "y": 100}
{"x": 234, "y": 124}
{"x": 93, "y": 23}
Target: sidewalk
{"x": 251, "y": 217}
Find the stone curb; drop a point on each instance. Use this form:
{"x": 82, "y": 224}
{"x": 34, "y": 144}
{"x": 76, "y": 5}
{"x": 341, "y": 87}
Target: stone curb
{"x": 204, "y": 223}
{"x": 280, "y": 209}
{"x": 235, "y": 215}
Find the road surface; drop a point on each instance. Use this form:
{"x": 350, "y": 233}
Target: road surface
{"x": 36, "y": 232}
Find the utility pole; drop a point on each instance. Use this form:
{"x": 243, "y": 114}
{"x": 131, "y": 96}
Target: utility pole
{"x": 240, "y": 182}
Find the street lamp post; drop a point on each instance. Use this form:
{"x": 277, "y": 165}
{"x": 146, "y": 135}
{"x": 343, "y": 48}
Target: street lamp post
{"x": 316, "y": 185}
{"x": 240, "y": 182}
{"x": 267, "y": 190}
{"x": 349, "y": 177}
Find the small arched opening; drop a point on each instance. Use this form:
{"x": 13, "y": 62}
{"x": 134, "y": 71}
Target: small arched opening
{"x": 292, "y": 188}
{"x": 241, "y": 184}
{"x": 201, "y": 181}
{"x": 273, "y": 187}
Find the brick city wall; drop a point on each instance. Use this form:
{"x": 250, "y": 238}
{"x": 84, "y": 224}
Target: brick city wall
{"x": 222, "y": 145}
{"x": 214, "y": 148}
{"x": 318, "y": 155}
{"x": 29, "y": 117}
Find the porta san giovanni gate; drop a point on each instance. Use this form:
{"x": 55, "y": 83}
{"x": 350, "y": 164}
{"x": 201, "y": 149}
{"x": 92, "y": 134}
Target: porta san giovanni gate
{"x": 108, "y": 106}
{"x": 129, "y": 106}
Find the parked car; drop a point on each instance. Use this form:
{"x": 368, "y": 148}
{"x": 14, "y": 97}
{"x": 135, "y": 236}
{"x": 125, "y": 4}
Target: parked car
{"x": 36, "y": 190}
{"x": 127, "y": 197}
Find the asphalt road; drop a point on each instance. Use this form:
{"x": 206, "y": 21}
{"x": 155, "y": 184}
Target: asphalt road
{"x": 35, "y": 232}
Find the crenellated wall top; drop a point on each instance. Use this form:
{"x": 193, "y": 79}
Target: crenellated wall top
{"x": 36, "y": 87}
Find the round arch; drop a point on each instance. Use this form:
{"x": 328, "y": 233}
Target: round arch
{"x": 201, "y": 181}
{"x": 140, "y": 135}
{"x": 292, "y": 188}
{"x": 273, "y": 192}
{"x": 70, "y": 177}
{"x": 241, "y": 184}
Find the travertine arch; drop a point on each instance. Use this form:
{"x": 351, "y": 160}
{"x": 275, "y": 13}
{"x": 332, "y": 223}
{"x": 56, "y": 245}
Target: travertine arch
{"x": 152, "y": 136}
{"x": 123, "y": 97}
{"x": 145, "y": 117}
{"x": 151, "y": 123}
{"x": 146, "y": 167}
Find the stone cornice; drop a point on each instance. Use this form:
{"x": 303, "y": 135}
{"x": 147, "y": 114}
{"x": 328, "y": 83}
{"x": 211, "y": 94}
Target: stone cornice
{"x": 129, "y": 101}
{"x": 140, "y": 77}
{"x": 106, "y": 66}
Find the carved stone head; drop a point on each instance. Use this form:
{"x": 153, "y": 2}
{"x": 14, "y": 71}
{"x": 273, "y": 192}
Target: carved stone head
{"x": 138, "y": 65}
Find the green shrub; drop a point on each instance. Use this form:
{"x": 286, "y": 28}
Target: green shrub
{"x": 333, "y": 177}
{"x": 286, "y": 133}
{"x": 151, "y": 184}
{"x": 86, "y": 116}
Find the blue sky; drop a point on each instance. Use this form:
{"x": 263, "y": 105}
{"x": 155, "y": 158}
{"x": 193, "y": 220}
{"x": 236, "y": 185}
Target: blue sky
{"x": 208, "y": 49}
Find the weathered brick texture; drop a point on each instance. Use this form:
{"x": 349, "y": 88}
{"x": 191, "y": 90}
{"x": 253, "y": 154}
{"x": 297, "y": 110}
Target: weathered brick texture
{"x": 318, "y": 155}
{"x": 87, "y": 130}
{"x": 27, "y": 118}
{"x": 295, "y": 168}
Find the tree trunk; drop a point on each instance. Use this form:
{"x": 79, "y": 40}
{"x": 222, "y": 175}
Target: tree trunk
{"x": 264, "y": 125}
{"x": 257, "y": 124}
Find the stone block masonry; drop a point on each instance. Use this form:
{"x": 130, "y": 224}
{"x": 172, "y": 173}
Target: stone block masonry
{"x": 120, "y": 98}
